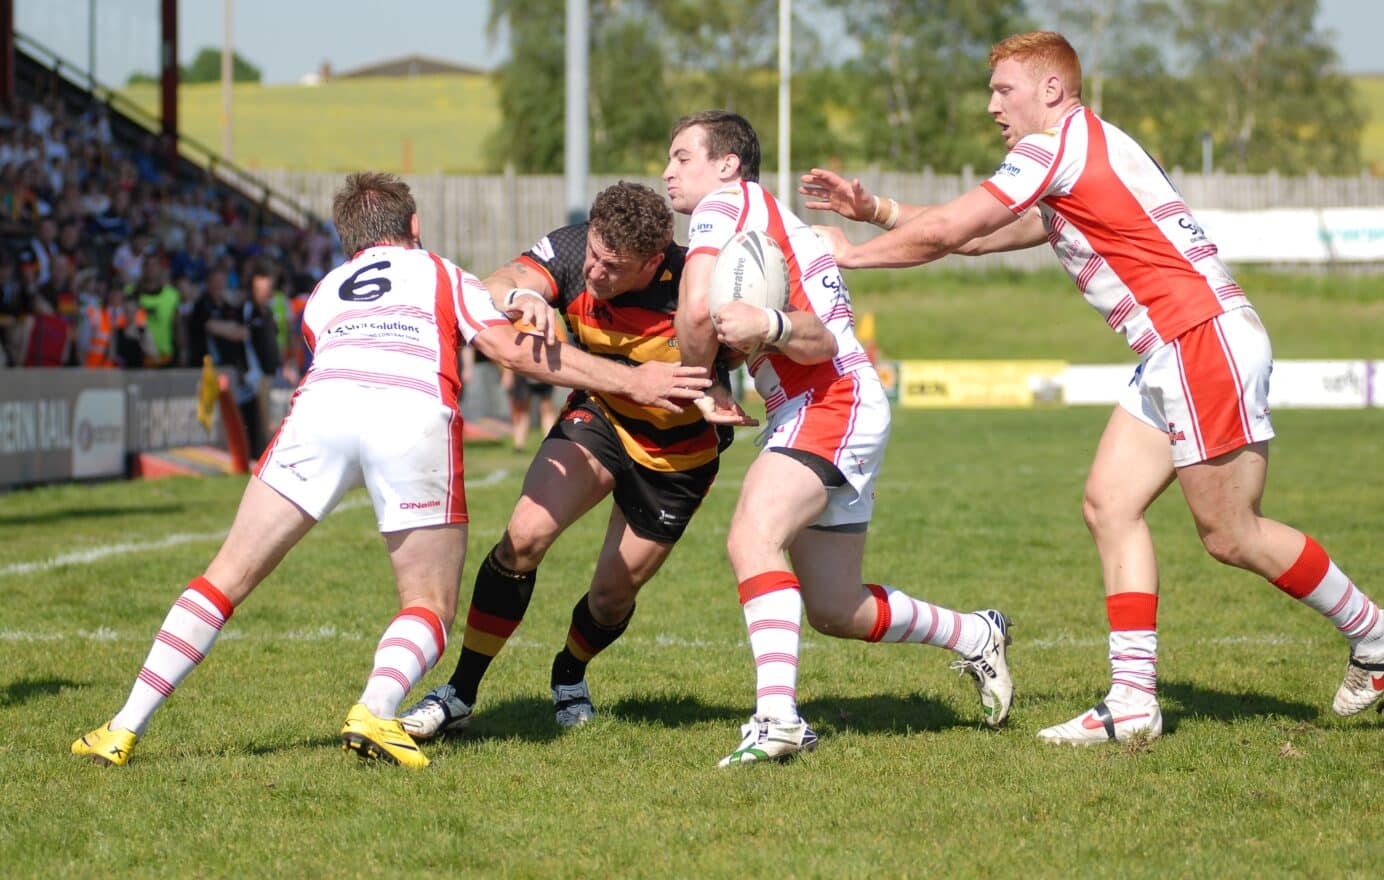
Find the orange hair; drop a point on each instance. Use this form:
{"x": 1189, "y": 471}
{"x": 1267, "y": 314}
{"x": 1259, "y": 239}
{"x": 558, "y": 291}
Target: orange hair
{"x": 1043, "y": 52}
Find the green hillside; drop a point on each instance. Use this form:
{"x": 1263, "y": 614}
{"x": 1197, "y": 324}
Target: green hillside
{"x": 421, "y": 124}
{"x": 1371, "y": 92}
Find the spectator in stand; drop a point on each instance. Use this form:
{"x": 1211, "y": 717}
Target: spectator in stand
{"x": 14, "y": 308}
{"x": 128, "y": 259}
{"x": 264, "y": 357}
{"x": 44, "y": 246}
{"x": 60, "y": 290}
{"x": 160, "y": 300}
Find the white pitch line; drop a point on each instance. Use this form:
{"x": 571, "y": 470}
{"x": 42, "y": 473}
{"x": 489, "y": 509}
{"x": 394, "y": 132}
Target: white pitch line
{"x": 519, "y": 643}
{"x": 95, "y": 554}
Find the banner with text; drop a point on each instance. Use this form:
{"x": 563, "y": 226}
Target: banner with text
{"x": 62, "y": 424}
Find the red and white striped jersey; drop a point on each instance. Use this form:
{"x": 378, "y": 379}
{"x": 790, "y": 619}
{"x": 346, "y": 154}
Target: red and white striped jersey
{"x": 815, "y": 284}
{"x": 396, "y": 317}
{"x": 1119, "y": 228}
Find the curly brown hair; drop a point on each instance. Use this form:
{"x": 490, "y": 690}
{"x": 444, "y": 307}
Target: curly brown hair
{"x": 632, "y": 220}
{"x": 373, "y": 208}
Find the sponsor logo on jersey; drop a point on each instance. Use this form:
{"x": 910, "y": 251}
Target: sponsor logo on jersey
{"x": 1008, "y": 168}
{"x": 1192, "y": 226}
{"x": 703, "y": 227}
{"x": 419, "y": 505}
{"x": 544, "y": 248}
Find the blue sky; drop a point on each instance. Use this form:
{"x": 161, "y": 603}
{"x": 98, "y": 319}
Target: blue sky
{"x": 289, "y": 38}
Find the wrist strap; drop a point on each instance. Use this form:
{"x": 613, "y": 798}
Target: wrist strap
{"x": 516, "y": 292}
{"x": 780, "y": 328}
{"x": 886, "y": 216}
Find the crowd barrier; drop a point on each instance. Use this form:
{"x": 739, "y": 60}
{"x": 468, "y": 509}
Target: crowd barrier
{"x": 72, "y": 424}
{"x": 1342, "y": 384}
{"x": 58, "y": 425}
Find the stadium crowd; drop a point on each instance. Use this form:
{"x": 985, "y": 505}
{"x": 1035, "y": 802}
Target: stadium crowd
{"x": 111, "y": 257}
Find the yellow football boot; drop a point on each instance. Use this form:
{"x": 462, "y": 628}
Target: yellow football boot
{"x": 379, "y": 738}
{"x": 110, "y": 748}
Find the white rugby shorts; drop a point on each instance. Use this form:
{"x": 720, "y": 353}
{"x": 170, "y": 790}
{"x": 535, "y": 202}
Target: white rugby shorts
{"x": 848, "y": 425}
{"x": 405, "y": 448}
{"x": 1208, "y": 389}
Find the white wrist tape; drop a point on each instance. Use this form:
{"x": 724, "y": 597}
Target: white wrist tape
{"x": 885, "y": 216}
{"x": 780, "y": 328}
{"x": 516, "y": 292}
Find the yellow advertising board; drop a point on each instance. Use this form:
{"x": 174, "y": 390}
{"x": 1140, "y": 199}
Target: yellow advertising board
{"x": 980, "y": 383}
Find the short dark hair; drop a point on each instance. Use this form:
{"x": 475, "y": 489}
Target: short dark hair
{"x": 727, "y": 134}
{"x": 632, "y": 220}
{"x": 373, "y": 208}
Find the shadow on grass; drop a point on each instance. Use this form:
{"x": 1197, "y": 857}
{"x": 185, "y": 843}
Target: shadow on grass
{"x": 522, "y": 718}
{"x": 18, "y": 692}
{"x": 67, "y": 514}
{"x": 881, "y": 713}
{"x": 1196, "y": 701}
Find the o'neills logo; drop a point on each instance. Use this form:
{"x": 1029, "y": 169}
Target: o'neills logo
{"x": 418, "y": 505}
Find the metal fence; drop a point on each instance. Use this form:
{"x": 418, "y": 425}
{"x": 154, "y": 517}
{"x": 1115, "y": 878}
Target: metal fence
{"x": 482, "y": 221}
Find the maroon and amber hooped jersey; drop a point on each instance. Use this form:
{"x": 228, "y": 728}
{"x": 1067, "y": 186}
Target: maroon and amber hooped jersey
{"x": 632, "y": 328}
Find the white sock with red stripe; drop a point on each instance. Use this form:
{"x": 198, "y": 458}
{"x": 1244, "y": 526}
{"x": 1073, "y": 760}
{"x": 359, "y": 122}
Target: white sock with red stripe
{"x": 410, "y": 646}
{"x": 901, "y": 618}
{"x": 1315, "y": 581}
{"x": 1133, "y": 645}
{"x": 187, "y": 634}
{"x": 773, "y": 606}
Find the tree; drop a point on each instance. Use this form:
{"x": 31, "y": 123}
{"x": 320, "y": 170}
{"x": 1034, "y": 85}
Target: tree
{"x": 529, "y": 86}
{"x": 920, "y": 81}
{"x": 206, "y": 67}
{"x": 1265, "y": 83}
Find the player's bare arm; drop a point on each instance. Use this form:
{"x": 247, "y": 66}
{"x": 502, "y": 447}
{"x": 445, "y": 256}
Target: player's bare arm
{"x": 1025, "y": 232}
{"x": 524, "y": 295}
{"x": 654, "y": 383}
{"x": 929, "y": 236}
{"x": 828, "y": 191}
{"x": 692, "y": 322}
{"x": 744, "y": 327}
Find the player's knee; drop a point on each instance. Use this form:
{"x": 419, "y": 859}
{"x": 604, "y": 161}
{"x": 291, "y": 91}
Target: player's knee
{"x": 831, "y": 619}
{"x": 523, "y": 547}
{"x": 610, "y": 607}
{"x": 1226, "y": 546}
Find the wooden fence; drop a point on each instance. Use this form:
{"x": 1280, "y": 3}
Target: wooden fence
{"x": 483, "y": 221}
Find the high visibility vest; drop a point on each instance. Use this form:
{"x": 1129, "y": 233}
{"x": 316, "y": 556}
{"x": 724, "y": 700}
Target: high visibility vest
{"x": 99, "y": 338}
{"x": 104, "y": 322}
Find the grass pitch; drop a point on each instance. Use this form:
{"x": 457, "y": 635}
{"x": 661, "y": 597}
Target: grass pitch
{"x": 241, "y": 773}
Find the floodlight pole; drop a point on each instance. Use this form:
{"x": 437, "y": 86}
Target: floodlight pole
{"x": 576, "y": 159}
{"x": 227, "y": 74}
{"x": 785, "y": 138}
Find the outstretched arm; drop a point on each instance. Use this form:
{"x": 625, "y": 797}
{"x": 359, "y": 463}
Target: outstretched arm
{"x": 655, "y": 383}
{"x": 992, "y": 231}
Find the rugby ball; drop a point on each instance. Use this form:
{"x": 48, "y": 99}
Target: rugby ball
{"x": 751, "y": 269}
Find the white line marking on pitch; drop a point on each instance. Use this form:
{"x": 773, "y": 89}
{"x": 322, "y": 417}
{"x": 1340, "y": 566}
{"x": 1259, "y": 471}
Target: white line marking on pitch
{"x": 95, "y": 554}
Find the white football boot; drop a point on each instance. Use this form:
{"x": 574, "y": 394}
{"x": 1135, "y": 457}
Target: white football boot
{"x": 572, "y": 703}
{"x": 1363, "y": 685}
{"x": 990, "y": 669}
{"x": 1120, "y": 717}
{"x": 769, "y": 739}
{"x": 440, "y": 711}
